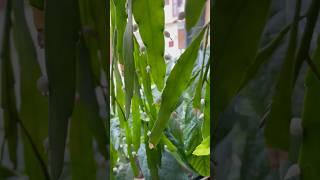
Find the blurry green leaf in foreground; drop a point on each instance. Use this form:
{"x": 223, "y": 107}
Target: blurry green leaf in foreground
{"x": 61, "y": 35}
{"x": 34, "y": 106}
{"x": 7, "y": 96}
{"x": 81, "y": 146}
{"x": 6, "y": 173}
{"x": 193, "y": 11}
{"x": 85, "y": 123}
{"x": 235, "y": 47}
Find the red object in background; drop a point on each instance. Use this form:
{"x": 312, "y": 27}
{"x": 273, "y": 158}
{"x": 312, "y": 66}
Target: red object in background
{"x": 181, "y": 38}
{"x": 171, "y": 43}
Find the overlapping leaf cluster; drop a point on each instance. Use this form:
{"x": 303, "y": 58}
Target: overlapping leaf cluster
{"x": 147, "y": 105}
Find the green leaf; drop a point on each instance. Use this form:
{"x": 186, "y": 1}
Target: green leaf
{"x": 123, "y": 121}
{"x": 264, "y": 55}
{"x": 153, "y": 156}
{"x": 136, "y": 122}
{"x": 129, "y": 69}
{"x": 192, "y": 131}
{"x": 197, "y": 96}
{"x": 93, "y": 19}
{"x": 304, "y": 47}
{"x": 83, "y": 165}
{"x": 101, "y": 17}
{"x": 8, "y": 100}
{"x": 204, "y": 148}
{"x": 149, "y": 16}
{"x": 176, "y": 83}
{"x": 201, "y": 164}
{"x": 193, "y": 11}
{"x": 277, "y": 125}
{"x": 174, "y": 126}
{"x": 113, "y": 159}
{"x": 34, "y": 107}
{"x": 120, "y": 22}
{"x": 6, "y": 172}
{"x": 235, "y": 47}
{"x": 39, "y": 4}
{"x": 308, "y": 162}
{"x": 141, "y": 65}
{"x": 61, "y": 35}
{"x": 171, "y": 147}
{"x": 90, "y": 35}
{"x": 88, "y": 98}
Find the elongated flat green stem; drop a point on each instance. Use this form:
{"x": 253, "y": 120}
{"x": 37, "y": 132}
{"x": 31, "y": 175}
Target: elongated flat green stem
{"x": 61, "y": 36}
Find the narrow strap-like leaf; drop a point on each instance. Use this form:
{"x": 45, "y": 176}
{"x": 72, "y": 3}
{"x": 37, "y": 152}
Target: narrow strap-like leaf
{"x": 175, "y": 85}
{"x": 197, "y": 96}
{"x": 34, "y": 107}
{"x": 149, "y": 16}
{"x": 193, "y": 11}
{"x": 129, "y": 68}
{"x": 120, "y": 21}
{"x": 136, "y": 120}
{"x": 61, "y": 35}
{"x": 141, "y": 61}
{"x": 86, "y": 89}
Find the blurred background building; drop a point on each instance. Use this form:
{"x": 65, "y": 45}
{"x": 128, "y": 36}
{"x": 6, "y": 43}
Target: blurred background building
{"x": 179, "y": 37}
